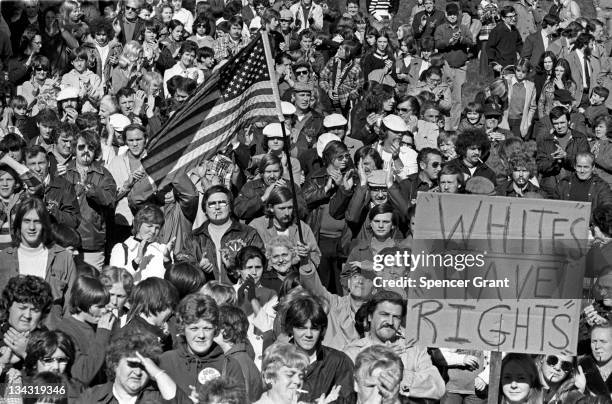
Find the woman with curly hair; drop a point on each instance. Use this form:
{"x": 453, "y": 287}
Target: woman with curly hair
{"x": 378, "y": 101}
{"x": 26, "y": 301}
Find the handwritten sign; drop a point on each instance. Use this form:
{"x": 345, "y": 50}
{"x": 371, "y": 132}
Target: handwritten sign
{"x": 497, "y": 273}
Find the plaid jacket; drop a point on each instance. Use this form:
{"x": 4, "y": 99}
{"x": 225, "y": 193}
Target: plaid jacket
{"x": 345, "y": 81}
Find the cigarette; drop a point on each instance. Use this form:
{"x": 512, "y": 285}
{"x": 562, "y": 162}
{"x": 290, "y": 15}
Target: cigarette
{"x": 399, "y": 334}
{"x": 480, "y": 161}
{"x": 301, "y": 391}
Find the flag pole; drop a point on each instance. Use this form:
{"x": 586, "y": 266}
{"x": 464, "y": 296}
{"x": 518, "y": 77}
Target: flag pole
{"x": 281, "y": 118}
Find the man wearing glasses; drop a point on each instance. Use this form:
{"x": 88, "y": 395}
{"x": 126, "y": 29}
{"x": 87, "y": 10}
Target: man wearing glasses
{"x": 216, "y": 242}
{"x": 505, "y": 42}
{"x": 96, "y": 192}
{"x": 131, "y": 26}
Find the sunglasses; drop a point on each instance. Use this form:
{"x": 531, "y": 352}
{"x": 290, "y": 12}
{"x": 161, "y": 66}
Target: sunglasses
{"x": 343, "y": 157}
{"x": 49, "y": 361}
{"x": 566, "y": 366}
{"x": 274, "y": 138}
{"x": 301, "y": 72}
{"x": 83, "y": 147}
{"x": 14, "y": 149}
{"x": 131, "y": 8}
{"x": 135, "y": 364}
{"x": 285, "y": 20}
{"x": 435, "y": 164}
{"x": 40, "y": 69}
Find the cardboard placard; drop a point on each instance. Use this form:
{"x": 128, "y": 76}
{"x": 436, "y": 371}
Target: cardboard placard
{"x": 497, "y": 273}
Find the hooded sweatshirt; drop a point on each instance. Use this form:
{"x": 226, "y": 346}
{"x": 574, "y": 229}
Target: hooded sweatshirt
{"x": 186, "y": 368}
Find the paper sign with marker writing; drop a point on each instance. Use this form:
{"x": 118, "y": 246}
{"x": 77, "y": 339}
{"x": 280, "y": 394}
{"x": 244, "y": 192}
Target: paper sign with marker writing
{"x": 497, "y": 273}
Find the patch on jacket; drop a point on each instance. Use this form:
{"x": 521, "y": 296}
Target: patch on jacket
{"x": 208, "y": 374}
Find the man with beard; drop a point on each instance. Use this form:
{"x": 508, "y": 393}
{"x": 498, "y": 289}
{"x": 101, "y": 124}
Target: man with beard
{"x": 385, "y": 311}
{"x": 216, "y": 242}
{"x": 279, "y": 219}
{"x": 586, "y": 70}
{"x": 521, "y": 169}
{"x": 306, "y": 323}
{"x": 57, "y": 193}
{"x": 583, "y": 184}
{"x": 556, "y": 151}
{"x": 96, "y": 192}
{"x": 472, "y": 145}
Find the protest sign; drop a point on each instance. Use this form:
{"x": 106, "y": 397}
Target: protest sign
{"x": 496, "y": 273}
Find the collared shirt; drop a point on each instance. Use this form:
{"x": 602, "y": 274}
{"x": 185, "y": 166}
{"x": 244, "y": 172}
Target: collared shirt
{"x": 544, "y": 36}
{"x": 582, "y": 65}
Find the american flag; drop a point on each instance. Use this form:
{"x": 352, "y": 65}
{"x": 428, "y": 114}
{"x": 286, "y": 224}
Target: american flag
{"x": 236, "y": 95}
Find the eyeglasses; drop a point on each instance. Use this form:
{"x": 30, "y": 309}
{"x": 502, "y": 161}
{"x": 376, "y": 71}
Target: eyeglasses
{"x": 131, "y": 8}
{"x": 40, "y": 69}
{"x": 285, "y": 20}
{"x": 82, "y": 147}
{"x": 14, "y": 149}
{"x": 49, "y": 361}
{"x": 221, "y": 204}
{"x": 552, "y": 360}
{"x": 343, "y": 157}
{"x": 301, "y": 72}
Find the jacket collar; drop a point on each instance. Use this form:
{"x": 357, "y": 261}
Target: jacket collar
{"x": 203, "y": 229}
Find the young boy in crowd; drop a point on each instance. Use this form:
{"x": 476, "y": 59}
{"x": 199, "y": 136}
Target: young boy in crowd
{"x": 597, "y": 105}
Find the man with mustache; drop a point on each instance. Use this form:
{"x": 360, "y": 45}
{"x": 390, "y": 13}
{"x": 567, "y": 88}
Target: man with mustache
{"x": 96, "y": 192}
{"x": 521, "y": 170}
{"x": 472, "y": 147}
{"x": 385, "y": 311}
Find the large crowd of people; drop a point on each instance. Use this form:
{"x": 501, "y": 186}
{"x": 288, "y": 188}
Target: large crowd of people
{"x": 249, "y": 278}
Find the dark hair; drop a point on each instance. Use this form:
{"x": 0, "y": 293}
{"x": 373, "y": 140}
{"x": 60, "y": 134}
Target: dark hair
{"x": 205, "y": 52}
{"x": 302, "y": 310}
{"x": 23, "y": 207}
{"x": 448, "y": 169}
{"x": 67, "y": 128}
{"x": 149, "y": 214}
{"x": 135, "y": 126}
{"x": 86, "y": 292}
{"x": 221, "y": 390}
{"x": 66, "y": 236}
{"x": 47, "y": 117}
{"x": 44, "y": 395}
{"x": 233, "y": 324}
{"x": 247, "y": 253}
{"x": 506, "y": 10}
{"x": 423, "y": 156}
{"x": 33, "y": 151}
{"x": 9, "y": 170}
{"x": 528, "y": 365}
{"x": 153, "y": 26}
{"x": 550, "y": 20}
{"x": 236, "y": 20}
{"x": 547, "y": 54}
{"x": 26, "y": 289}
{"x": 152, "y": 296}
{"x": 382, "y": 209}
{"x": 602, "y": 92}
{"x": 88, "y": 120}
{"x": 521, "y": 159}
{"x": 383, "y": 296}
{"x": 188, "y": 46}
{"x": 43, "y": 344}
{"x": 196, "y": 307}
{"x": 101, "y": 24}
{"x": 202, "y": 19}
{"x": 217, "y": 189}
{"x": 12, "y": 141}
{"x": 583, "y": 40}
{"x": 92, "y": 140}
{"x": 277, "y": 196}
{"x": 125, "y": 92}
{"x": 472, "y": 137}
{"x": 567, "y": 74}
{"x": 332, "y": 149}
{"x": 126, "y": 344}
{"x": 366, "y": 151}
{"x": 414, "y": 103}
{"x": 185, "y": 277}
{"x": 559, "y": 111}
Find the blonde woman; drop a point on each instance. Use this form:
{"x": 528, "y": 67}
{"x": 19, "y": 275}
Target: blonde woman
{"x": 129, "y": 68}
{"x": 151, "y": 83}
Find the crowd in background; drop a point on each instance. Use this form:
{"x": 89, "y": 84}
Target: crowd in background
{"x": 249, "y": 279}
